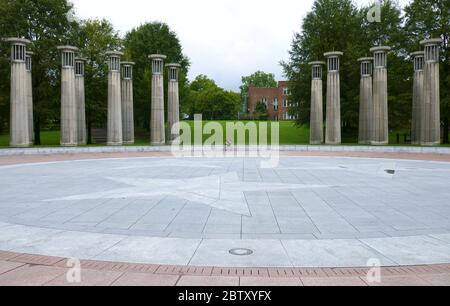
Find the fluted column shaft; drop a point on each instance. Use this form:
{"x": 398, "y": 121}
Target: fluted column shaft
{"x": 417, "y": 107}
{"x": 157, "y": 120}
{"x": 69, "y": 121}
{"x": 333, "y": 117}
{"x": 19, "y": 129}
{"x": 81, "y": 102}
{"x": 365, "y": 101}
{"x": 115, "y": 131}
{"x": 431, "y": 120}
{"x": 380, "y": 132}
{"x": 173, "y": 105}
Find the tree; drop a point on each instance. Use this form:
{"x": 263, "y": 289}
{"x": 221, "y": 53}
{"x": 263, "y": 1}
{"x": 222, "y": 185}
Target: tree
{"x": 258, "y": 79}
{"x": 47, "y": 23}
{"x": 151, "y": 38}
{"x": 261, "y": 111}
{"x": 430, "y": 19}
{"x": 94, "y": 38}
{"x": 215, "y": 103}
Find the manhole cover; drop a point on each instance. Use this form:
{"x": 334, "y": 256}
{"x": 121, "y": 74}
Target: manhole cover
{"x": 390, "y": 172}
{"x": 241, "y": 252}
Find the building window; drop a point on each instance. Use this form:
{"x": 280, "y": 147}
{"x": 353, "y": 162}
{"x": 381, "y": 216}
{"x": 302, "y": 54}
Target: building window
{"x": 264, "y": 100}
{"x": 285, "y": 102}
{"x": 275, "y": 104}
{"x": 286, "y": 91}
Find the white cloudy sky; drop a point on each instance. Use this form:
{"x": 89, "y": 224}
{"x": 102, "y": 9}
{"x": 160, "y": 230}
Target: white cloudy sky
{"x": 224, "y": 39}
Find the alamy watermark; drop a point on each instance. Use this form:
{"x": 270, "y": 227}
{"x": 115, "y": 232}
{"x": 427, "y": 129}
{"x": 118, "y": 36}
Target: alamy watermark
{"x": 374, "y": 13}
{"x": 233, "y": 139}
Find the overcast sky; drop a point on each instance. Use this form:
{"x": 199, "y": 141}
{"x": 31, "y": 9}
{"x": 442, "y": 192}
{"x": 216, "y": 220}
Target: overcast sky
{"x": 224, "y": 39}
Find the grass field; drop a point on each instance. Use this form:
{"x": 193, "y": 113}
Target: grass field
{"x": 290, "y": 134}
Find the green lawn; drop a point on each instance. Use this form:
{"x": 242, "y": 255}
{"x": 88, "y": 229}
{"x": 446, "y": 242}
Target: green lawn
{"x": 290, "y": 134}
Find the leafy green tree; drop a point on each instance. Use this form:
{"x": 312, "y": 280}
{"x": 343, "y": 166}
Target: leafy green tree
{"x": 430, "y": 19}
{"x": 261, "y": 112}
{"x": 94, "y": 38}
{"x": 47, "y": 23}
{"x": 215, "y": 103}
{"x": 151, "y": 38}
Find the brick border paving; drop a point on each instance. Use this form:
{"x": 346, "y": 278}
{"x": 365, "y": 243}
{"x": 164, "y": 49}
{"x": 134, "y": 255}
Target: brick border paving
{"x": 29, "y": 269}
{"x": 17, "y": 268}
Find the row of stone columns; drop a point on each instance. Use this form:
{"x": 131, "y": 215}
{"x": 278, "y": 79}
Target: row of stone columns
{"x": 373, "y": 117}
{"x": 426, "y": 121}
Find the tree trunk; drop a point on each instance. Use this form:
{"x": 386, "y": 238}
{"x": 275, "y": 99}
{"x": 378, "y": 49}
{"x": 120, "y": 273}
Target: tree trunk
{"x": 37, "y": 131}
{"x": 89, "y": 131}
{"x": 446, "y": 128}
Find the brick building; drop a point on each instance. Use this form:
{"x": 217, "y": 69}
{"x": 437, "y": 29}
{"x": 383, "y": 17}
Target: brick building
{"x": 277, "y": 101}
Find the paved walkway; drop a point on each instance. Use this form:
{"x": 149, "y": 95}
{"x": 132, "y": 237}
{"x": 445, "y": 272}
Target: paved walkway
{"x": 311, "y": 211}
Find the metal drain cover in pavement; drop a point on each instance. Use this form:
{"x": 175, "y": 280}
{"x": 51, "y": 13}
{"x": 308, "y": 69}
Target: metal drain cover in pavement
{"x": 241, "y": 252}
{"x": 390, "y": 171}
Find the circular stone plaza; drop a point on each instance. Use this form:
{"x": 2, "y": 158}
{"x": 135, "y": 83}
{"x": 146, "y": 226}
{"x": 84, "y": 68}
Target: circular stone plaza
{"x": 140, "y": 216}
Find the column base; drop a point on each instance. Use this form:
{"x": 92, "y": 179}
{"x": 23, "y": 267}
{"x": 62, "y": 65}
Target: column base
{"x": 128, "y": 142}
{"x": 114, "y": 144}
{"x": 365, "y": 142}
{"x": 314, "y": 143}
{"x": 333, "y": 143}
{"x": 379, "y": 143}
{"x": 15, "y": 145}
{"x": 430, "y": 144}
{"x": 158, "y": 143}
{"x": 69, "y": 144}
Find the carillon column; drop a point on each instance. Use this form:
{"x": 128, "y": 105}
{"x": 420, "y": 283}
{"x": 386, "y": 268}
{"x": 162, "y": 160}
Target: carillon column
{"x": 417, "y": 107}
{"x": 173, "y": 108}
{"x": 316, "y": 126}
{"x": 127, "y": 103}
{"x": 19, "y": 132}
{"x": 431, "y": 129}
{"x": 380, "y": 126}
{"x": 115, "y": 136}
{"x": 157, "y": 130}
{"x": 365, "y": 100}
{"x": 28, "y": 61}
{"x": 333, "y": 124}
{"x": 69, "y": 127}
{"x": 81, "y": 100}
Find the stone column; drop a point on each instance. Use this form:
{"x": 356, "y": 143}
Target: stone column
{"x": 316, "y": 126}
{"x": 417, "y": 107}
{"x": 115, "y": 136}
{"x": 173, "y": 102}
{"x": 28, "y": 60}
{"x": 333, "y": 125}
{"x": 431, "y": 122}
{"x": 127, "y": 103}
{"x": 81, "y": 100}
{"x": 365, "y": 101}
{"x": 69, "y": 127}
{"x": 157, "y": 130}
{"x": 380, "y": 127}
{"x": 19, "y": 132}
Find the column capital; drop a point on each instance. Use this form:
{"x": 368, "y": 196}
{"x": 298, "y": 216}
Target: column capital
{"x": 17, "y": 41}
{"x": 317, "y": 63}
{"x": 157, "y": 56}
{"x": 380, "y": 49}
{"x": 431, "y": 42}
{"x": 173, "y": 65}
{"x": 333, "y": 53}
{"x": 67, "y": 48}
{"x": 114, "y": 53}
